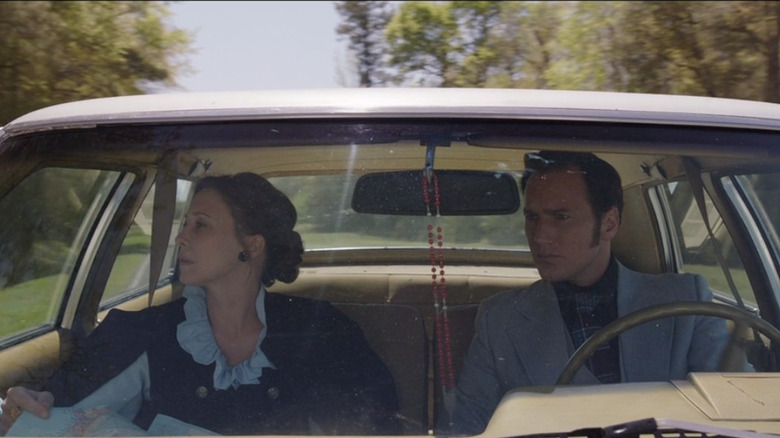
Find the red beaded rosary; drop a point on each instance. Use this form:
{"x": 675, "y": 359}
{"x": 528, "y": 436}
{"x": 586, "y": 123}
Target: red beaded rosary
{"x": 439, "y": 285}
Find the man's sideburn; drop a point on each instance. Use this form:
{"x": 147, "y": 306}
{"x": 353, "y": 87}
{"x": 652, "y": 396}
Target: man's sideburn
{"x": 596, "y": 236}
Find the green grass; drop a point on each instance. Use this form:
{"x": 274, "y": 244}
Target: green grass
{"x": 716, "y": 280}
{"x": 124, "y": 269}
{"x": 36, "y": 302}
{"x": 29, "y": 304}
{"x": 136, "y": 242}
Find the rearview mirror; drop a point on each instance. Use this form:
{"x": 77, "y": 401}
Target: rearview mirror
{"x": 462, "y": 192}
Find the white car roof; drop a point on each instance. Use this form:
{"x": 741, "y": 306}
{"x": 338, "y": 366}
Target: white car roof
{"x": 400, "y": 103}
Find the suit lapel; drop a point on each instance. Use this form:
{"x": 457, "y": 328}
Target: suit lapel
{"x": 539, "y": 335}
{"x": 635, "y": 344}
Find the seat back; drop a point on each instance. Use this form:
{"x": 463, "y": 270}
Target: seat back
{"x": 397, "y": 334}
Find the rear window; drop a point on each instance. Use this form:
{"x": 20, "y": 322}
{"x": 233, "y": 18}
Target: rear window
{"x": 327, "y": 221}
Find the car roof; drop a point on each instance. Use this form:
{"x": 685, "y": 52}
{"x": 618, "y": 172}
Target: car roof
{"x": 402, "y": 103}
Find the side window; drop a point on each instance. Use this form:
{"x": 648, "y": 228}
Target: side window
{"x": 698, "y": 248}
{"x": 760, "y": 192}
{"x": 45, "y": 222}
{"x": 130, "y": 274}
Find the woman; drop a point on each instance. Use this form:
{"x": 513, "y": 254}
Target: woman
{"x": 229, "y": 356}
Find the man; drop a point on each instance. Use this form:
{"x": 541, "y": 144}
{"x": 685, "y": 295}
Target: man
{"x": 573, "y": 207}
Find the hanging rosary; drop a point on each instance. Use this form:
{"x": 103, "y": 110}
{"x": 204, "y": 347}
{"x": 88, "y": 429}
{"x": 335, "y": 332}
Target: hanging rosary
{"x": 439, "y": 285}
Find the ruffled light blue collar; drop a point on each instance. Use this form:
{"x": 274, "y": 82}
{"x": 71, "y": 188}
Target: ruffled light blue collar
{"x": 195, "y": 337}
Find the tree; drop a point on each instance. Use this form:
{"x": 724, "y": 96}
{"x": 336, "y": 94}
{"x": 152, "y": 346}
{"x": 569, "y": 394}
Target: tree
{"x": 364, "y": 25}
{"x": 585, "y": 49}
{"x": 473, "y": 55}
{"x": 720, "y": 49}
{"x": 751, "y": 33}
{"x": 524, "y": 43}
{"x": 421, "y": 39}
{"x": 54, "y": 52}
{"x": 473, "y": 43}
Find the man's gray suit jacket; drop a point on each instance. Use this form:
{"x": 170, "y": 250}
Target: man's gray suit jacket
{"x": 521, "y": 340}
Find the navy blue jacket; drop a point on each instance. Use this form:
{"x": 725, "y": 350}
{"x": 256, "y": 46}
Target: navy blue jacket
{"x": 325, "y": 372}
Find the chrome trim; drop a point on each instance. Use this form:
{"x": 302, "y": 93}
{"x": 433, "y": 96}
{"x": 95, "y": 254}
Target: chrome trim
{"x": 95, "y": 239}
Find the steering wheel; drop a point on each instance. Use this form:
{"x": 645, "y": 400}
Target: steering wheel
{"x": 652, "y": 313}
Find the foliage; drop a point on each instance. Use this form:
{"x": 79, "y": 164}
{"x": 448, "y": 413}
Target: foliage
{"x": 364, "y": 25}
{"x": 54, "y": 52}
{"x": 721, "y": 49}
{"x": 421, "y": 39}
{"x": 696, "y": 48}
{"x": 524, "y": 43}
{"x": 42, "y": 218}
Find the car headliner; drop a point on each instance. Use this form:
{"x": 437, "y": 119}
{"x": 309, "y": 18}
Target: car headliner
{"x": 403, "y": 103}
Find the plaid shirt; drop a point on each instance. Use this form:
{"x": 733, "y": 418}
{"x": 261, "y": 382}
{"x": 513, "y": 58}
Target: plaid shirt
{"x": 586, "y": 310}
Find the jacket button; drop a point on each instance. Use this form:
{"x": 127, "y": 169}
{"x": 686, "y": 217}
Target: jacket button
{"x": 202, "y": 392}
{"x": 273, "y": 393}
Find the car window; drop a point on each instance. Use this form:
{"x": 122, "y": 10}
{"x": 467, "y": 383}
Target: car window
{"x": 697, "y": 248}
{"x": 46, "y": 222}
{"x": 326, "y": 220}
{"x": 761, "y": 191}
{"x": 130, "y": 274}
{"x": 758, "y": 194}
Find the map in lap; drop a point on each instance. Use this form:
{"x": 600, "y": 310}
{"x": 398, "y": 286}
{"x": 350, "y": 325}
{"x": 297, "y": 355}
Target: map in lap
{"x": 98, "y": 421}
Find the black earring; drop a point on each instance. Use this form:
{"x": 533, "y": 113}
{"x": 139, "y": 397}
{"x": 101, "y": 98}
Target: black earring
{"x": 243, "y": 256}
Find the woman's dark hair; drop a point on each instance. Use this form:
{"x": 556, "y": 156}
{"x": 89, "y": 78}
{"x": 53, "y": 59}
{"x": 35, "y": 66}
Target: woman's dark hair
{"x": 260, "y": 208}
{"x": 602, "y": 181}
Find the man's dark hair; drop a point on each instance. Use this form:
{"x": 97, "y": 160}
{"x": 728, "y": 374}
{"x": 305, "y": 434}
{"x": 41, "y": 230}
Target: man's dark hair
{"x": 602, "y": 181}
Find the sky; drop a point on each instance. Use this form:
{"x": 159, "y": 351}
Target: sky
{"x": 244, "y": 45}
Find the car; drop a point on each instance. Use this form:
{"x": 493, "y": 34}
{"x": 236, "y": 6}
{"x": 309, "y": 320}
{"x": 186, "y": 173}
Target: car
{"x": 92, "y": 194}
